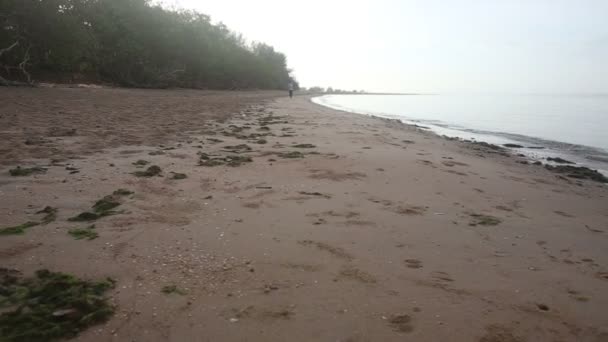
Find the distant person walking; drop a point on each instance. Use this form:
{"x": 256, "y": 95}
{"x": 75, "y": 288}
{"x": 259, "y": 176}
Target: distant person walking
{"x": 290, "y": 87}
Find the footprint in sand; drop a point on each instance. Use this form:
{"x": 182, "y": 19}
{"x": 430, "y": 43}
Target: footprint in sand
{"x": 453, "y": 163}
{"x": 564, "y": 214}
{"x": 353, "y": 273}
{"x": 499, "y": 333}
{"x": 455, "y": 172}
{"x": 335, "y": 175}
{"x": 426, "y": 162}
{"x": 334, "y": 251}
{"x": 441, "y": 276}
{"x": 602, "y": 275}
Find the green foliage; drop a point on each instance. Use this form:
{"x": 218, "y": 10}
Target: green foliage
{"x": 84, "y": 233}
{"x": 17, "y": 230}
{"x": 134, "y": 43}
{"x": 50, "y": 306}
{"x": 103, "y": 207}
{"x": 26, "y": 171}
{"x": 51, "y": 214}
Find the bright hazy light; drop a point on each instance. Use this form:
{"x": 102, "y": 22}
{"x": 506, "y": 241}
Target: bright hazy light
{"x": 520, "y": 46}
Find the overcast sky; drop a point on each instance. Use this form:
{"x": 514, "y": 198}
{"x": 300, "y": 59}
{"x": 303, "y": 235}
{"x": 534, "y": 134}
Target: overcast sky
{"x": 520, "y": 46}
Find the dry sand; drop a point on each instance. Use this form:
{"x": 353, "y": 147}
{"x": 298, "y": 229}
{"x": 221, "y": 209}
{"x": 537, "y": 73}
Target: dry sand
{"x": 381, "y": 232}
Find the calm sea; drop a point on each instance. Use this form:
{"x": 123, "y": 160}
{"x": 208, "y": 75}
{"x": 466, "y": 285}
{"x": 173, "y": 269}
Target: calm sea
{"x": 574, "y": 127}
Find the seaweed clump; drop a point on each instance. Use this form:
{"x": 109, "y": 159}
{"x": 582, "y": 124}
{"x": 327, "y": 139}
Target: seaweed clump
{"x": 88, "y": 233}
{"x": 149, "y": 172}
{"x": 50, "y": 305}
{"x": 484, "y": 220}
{"x": 234, "y": 161}
{"x": 51, "y": 214}
{"x": 17, "y": 230}
{"x": 102, "y": 207}
{"x": 291, "y": 155}
{"x": 178, "y": 176}
{"x": 304, "y": 146}
{"x": 578, "y": 172}
{"x": 169, "y": 289}
{"x": 26, "y": 171}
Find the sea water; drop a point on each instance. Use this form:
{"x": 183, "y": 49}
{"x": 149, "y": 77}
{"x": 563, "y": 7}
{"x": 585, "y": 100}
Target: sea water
{"x": 574, "y": 127}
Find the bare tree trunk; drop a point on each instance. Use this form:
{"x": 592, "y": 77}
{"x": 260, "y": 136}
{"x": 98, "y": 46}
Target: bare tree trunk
{"x": 23, "y": 65}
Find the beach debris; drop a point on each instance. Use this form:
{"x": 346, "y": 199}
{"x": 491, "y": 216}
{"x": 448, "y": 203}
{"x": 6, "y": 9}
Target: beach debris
{"x": 242, "y": 148}
{"x": 156, "y": 153}
{"x": 50, "y": 306}
{"x": 150, "y": 172}
{"x": 18, "y": 230}
{"x": 87, "y": 233}
{"x": 178, "y": 176}
{"x": 234, "y": 161}
{"x": 169, "y": 289}
{"x": 26, "y": 171}
{"x": 271, "y": 120}
{"x": 306, "y": 193}
{"x": 304, "y": 146}
{"x": 290, "y": 155}
{"x": 413, "y": 263}
{"x": 578, "y": 172}
{"x": 51, "y": 214}
{"x": 560, "y": 160}
{"x": 122, "y": 192}
{"x": 512, "y": 145}
{"x": 261, "y": 141}
{"x": 88, "y": 216}
{"x": 141, "y": 163}
{"x": 593, "y": 229}
{"x": 401, "y": 323}
{"x": 484, "y": 220}
{"x": 542, "y": 307}
{"x": 72, "y": 169}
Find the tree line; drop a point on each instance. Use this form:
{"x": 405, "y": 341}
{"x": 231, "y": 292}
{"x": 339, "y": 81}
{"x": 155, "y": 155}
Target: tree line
{"x": 130, "y": 43}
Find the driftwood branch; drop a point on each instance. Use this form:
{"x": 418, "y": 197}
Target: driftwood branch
{"x": 5, "y": 50}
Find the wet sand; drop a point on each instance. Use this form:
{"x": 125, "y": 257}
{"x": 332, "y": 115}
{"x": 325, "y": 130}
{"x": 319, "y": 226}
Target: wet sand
{"x": 341, "y": 228}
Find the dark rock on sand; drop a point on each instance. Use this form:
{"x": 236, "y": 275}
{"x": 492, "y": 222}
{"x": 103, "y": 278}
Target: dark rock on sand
{"x": 512, "y": 145}
{"x": 578, "y": 172}
{"x": 560, "y": 160}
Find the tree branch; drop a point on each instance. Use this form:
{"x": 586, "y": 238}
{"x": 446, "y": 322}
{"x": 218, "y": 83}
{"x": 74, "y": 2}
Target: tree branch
{"x": 5, "y": 50}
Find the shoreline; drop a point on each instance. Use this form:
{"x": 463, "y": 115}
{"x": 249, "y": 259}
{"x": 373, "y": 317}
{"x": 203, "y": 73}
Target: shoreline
{"x": 294, "y": 221}
{"x": 535, "y": 148}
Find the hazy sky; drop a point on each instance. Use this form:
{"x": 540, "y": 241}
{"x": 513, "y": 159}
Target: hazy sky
{"x": 538, "y": 46}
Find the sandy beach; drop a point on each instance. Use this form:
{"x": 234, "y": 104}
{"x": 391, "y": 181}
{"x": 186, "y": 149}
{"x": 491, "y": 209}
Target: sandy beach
{"x": 276, "y": 219}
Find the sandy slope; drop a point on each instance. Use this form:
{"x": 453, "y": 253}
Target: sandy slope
{"x": 371, "y": 239}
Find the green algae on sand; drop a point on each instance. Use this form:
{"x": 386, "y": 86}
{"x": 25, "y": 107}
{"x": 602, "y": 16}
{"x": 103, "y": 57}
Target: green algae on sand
{"x": 18, "y": 230}
{"x": 50, "y": 306}
{"x": 87, "y": 233}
